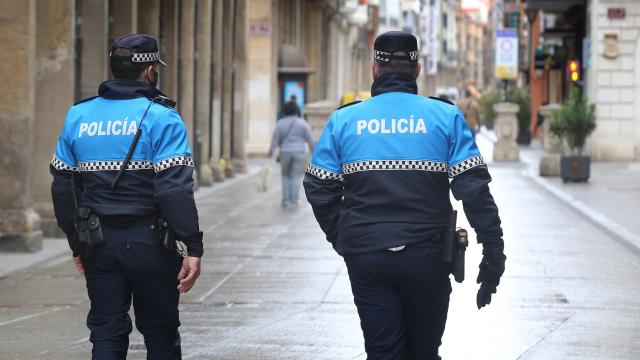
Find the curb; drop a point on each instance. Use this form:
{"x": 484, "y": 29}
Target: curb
{"x": 618, "y": 232}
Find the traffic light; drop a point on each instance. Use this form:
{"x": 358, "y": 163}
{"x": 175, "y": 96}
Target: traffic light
{"x": 574, "y": 70}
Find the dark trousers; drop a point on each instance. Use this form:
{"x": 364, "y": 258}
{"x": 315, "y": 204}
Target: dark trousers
{"x": 402, "y": 299}
{"x": 130, "y": 264}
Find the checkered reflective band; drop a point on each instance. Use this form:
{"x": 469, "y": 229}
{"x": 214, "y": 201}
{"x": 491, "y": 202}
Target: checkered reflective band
{"x": 323, "y": 174}
{"x": 386, "y": 57}
{"x": 60, "y": 165}
{"x": 418, "y": 165}
{"x": 381, "y": 55}
{"x": 114, "y": 165}
{"x": 465, "y": 165}
{"x": 173, "y": 161}
{"x": 145, "y": 57}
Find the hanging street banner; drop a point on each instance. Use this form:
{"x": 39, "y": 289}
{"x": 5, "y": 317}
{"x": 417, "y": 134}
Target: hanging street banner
{"x": 433, "y": 38}
{"x": 507, "y": 54}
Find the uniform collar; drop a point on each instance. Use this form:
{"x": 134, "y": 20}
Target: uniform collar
{"x": 394, "y": 83}
{"x": 127, "y": 89}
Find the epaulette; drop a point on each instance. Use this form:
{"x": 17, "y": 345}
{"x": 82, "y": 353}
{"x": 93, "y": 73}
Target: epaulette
{"x": 349, "y": 104}
{"x": 83, "y": 100}
{"x": 441, "y": 99}
{"x": 163, "y": 100}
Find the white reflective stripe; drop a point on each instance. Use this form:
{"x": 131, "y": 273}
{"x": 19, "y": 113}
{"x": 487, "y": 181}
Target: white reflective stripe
{"x": 164, "y": 164}
{"x": 420, "y": 165}
{"x": 465, "y": 165}
{"x": 397, "y": 248}
{"x": 323, "y": 174}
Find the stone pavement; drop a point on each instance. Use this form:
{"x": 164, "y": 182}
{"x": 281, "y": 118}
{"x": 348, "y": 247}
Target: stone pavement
{"x": 272, "y": 288}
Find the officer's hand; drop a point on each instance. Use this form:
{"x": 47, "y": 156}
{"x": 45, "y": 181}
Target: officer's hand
{"x": 491, "y": 269}
{"x": 78, "y": 263}
{"x": 189, "y": 273}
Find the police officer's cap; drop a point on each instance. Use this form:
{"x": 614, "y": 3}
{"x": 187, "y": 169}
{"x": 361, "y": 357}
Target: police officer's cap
{"x": 143, "y": 49}
{"x": 393, "y": 41}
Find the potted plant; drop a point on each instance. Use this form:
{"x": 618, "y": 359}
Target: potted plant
{"x": 486, "y": 103}
{"x": 573, "y": 123}
{"x": 518, "y": 96}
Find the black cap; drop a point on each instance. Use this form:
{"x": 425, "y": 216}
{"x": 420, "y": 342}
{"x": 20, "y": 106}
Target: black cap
{"x": 388, "y": 43}
{"x": 144, "y": 49}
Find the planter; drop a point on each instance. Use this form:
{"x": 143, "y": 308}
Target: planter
{"x": 524, "y": 137}
{"x": 575, "y": 168}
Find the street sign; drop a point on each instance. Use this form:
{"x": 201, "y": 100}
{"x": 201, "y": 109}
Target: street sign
{"x": 507, "y": 54}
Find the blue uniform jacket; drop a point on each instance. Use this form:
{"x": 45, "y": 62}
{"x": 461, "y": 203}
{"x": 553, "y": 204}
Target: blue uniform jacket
{"x": 382, "y": 169}
{"x": 94, "y": 141}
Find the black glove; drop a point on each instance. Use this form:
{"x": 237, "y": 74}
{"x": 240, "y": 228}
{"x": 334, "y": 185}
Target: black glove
{"x": 491, "y": 269}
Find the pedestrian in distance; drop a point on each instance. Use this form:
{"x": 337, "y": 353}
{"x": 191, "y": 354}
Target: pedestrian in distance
{"x": 122, "y": 193}
{"x": 471, "y": 111}
{"x": 379, "y": 183}
{"x": 290, "y": 136}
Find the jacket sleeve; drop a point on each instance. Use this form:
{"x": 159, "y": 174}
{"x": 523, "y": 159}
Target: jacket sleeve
{"x": 173, "y": 183}
{"x": 63, "y": 165}
{"x": 323, "y": 182}
{"x": 470, "y": 183}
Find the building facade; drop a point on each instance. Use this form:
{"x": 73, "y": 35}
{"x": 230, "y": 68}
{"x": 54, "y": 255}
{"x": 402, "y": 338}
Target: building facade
{"x": 604, "y": 37}
{"x": 55, "y": 53}
{"x": 316, "y": 50}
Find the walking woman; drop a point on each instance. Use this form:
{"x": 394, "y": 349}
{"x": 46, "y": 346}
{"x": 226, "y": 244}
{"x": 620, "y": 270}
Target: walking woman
{"x": 290, "y": 135}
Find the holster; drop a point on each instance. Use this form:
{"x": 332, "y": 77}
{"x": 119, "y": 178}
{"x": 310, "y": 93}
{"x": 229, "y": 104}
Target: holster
{"x": 168, "y": 240}
{"x": 166, "y": 236}
{"x": 88, "y": 233}
{"x": 455, "y": 242}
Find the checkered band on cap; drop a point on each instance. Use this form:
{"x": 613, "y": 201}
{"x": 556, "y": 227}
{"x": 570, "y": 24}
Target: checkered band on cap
{"x": 386, "y": 57}
{"x": 323, "y": 174}
{"x": 183, "y": 160}
{"x": 418, "y": 165}
{"x": 145, "y": 57}
{"x": 465, "y": 165}
{"x": 60, "y": 165}
{"x": 114, "y": 165}
{"x": 381, "y": 55}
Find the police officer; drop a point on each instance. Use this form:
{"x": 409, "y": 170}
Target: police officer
{"x": 128, "y": 259}
{"x": 379, "y": 185}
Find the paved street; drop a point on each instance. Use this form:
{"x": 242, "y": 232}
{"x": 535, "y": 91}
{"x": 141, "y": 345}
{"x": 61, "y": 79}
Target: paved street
{"x": 273, "y": 289}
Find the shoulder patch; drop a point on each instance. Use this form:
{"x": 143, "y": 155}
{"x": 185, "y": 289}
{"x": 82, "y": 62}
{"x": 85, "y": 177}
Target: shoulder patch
{"x": 349, "y": 104}
{"x": 83, "y": 100}
{"x": 441, "y": 99}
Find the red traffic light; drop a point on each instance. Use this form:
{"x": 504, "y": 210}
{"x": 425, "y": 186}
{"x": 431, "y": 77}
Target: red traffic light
{"x": 573, "y": 65}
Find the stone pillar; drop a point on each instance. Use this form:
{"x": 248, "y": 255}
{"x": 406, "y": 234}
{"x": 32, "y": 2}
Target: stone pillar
{"x": 227, "y": 86}
{"x": 261, "y": 71}
{"x": 186, "y": 69}
{"x": 216, "y": 92}
{"x": 203, "y": 88}
{"x": 19, "y": 223}
{"x": 240, "y": 26}
{"x": 169, "y": 49}
{"x": 506, "y": 128}
{"x": 55, "y": 74}
{"x": 125, "y": 18}
{"x": 94, "y": 57}
{"x": 149, "y": 17}
{"x": 551, "y": 144}
{"x": 318, "y": 113}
